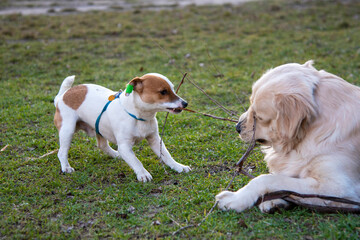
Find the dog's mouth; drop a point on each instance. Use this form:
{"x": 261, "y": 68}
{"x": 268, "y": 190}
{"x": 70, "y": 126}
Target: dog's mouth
{"x": 175, "y": 110}
{"x": 261, "y": 141}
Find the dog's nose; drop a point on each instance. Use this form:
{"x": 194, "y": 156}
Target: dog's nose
{"x": 238, "y": 127}
{"x": 242, "y": 120}
{"x": 184, "y": 104}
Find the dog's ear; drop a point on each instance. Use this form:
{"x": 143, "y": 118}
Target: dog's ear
{"x": 294, "y": 113}
{"x": 135, "y": 84}
{"x": 309, "y": 64}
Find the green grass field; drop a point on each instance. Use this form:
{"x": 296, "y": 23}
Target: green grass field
{"x": 103, "y": 199}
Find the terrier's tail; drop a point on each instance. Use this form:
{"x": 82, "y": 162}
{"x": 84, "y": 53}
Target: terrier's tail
{"x": 66, "y": 84}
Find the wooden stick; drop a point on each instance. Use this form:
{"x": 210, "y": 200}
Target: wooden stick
{"x": 249, "y": 149}
{"x": 240, "y": 163}
{"x": 4, "y": 148}
{"x": 247, "y": 174}
{"x": 212, "y": 99}
{"x": 181, "y": 83}
{"x": 182, "y": 228}
{"x": 286, "y": 195}
{"x": 28, "y": 160}
{"x": 209, "y": 115}
{"x": 45, "y": 155}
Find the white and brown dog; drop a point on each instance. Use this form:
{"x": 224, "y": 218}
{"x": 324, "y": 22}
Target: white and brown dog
{"x": 308, "y": 122}
{"x": 126, "y": 119}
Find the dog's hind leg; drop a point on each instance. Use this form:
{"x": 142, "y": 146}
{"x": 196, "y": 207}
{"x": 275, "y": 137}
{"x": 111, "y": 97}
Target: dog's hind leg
{"x": 103, "y": 144}
{"x": 66, "y": 133}
{"x": 273, "y": 206}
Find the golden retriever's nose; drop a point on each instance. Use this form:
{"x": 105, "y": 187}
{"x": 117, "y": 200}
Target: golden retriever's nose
{"x": 238, "y": 127}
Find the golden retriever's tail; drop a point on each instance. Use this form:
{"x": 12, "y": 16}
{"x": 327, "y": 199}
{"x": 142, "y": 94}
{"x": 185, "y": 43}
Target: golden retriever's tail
{"x": 66, "y": 85}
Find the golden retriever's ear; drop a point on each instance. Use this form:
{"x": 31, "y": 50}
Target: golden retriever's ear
{"x": 309, "y": 64}
{"x": 294, "y": 114}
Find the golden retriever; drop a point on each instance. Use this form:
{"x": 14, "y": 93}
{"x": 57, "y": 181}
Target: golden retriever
{"x": 308, "y": 122}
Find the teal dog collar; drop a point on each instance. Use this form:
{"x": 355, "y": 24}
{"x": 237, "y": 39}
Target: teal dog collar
{"x": 112, "y": 98}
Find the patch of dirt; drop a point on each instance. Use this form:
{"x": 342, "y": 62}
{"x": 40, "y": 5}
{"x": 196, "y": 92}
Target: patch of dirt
{"x": 212, "y": 170}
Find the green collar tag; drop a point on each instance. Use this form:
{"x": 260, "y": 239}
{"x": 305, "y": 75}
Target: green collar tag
{"x": 129, "y": 89}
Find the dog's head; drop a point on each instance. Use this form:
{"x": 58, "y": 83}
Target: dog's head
{"x": 283, "y": 104}
{"x": 155, "y": 92}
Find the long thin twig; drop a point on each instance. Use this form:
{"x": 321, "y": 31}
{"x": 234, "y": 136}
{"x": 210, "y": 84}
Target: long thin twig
{"x": 286, "y": 195}
{"x": 4, "y": 148}
{"x": 28, "y": 160}
{"x": 209, "y": 115}
{"x": 283, "y": 193}
{"x": 212, "y": 99}
{"x": 247, "y": 174}
{"x": 240, "y": 163}
{"x": 181, "y": 83}
{"x": 250, "y": 148}
{"x": 45, "y": 155}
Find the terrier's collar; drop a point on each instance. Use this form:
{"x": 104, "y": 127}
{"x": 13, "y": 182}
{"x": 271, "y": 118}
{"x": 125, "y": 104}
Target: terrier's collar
{"x": 112, "y": 98}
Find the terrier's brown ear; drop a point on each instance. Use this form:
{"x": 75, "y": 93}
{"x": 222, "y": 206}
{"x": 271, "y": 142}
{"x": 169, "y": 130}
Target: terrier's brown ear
{"x": 135, "y": 84}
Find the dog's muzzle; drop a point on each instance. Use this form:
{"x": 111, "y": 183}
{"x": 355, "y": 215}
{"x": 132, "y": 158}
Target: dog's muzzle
{"x": 179, "y": 110}
{"x": 239, "y": 126}
{"x": 184, "y": 104}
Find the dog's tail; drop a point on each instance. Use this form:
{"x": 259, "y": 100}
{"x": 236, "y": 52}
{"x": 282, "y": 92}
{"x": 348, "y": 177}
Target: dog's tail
{"x": 66, "y": 84}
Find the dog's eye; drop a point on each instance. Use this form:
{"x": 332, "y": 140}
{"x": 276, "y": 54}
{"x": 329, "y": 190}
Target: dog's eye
{"x": 257, "y": 117}
{"x": 164, "y": 92}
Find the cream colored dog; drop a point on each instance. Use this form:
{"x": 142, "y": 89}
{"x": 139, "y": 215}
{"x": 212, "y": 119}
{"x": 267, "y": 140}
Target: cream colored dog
{"x": 126, "y": 119}
{"x": 308, "y": 122}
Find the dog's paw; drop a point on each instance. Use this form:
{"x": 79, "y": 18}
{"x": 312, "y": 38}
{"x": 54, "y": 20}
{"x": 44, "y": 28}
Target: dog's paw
{"x": 228, "y": 200}
{"x": 273, "y": 205}
{"x": 234, "y": 201}
{"x": 181, "y": 168}
{"x": 143, "y": 176}
{"x": 67, "y": 170}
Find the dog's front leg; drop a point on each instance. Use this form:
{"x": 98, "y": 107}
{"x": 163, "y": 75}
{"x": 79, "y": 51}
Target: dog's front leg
{"x": 246, "y": 197}
{"x": 154, "y": 141}
{"x": 126, "y": 153}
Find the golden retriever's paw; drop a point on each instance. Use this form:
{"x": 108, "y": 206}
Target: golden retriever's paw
{"x": 233, "y": 201}
{"x": 273, "y": 206}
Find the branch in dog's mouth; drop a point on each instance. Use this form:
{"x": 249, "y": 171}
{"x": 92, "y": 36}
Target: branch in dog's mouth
{"x": 208, "y": 115}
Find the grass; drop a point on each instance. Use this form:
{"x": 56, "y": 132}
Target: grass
{"x": 102, "y": 199}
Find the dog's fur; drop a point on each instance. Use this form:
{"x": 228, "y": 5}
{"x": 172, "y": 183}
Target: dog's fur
{"x": 308, "y": 122}
{"x": 77, "y": 108}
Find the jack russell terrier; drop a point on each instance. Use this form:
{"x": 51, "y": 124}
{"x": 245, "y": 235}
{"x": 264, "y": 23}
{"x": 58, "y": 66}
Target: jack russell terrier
{"x": 122, "y": 118}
